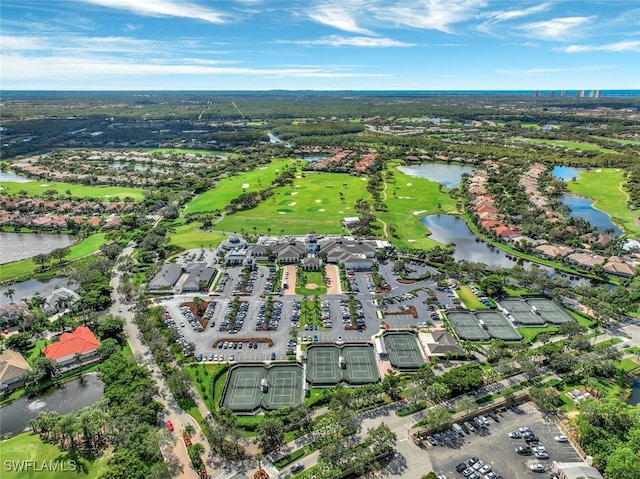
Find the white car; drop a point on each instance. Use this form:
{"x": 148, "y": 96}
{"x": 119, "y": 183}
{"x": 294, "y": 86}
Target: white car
{"x": 537, "y": 467}
{"x": 231, "y": 358}
{"x": 561, "y": 438}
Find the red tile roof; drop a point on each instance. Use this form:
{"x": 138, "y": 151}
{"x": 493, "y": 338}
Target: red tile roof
{"x": 80, "y": 341}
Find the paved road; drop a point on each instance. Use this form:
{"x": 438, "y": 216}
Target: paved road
{"x": 143, "y": 356}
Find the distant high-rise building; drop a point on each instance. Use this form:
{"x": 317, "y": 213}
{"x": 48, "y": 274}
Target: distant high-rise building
{"x": 580, "y": 93}
{"x": 563, "y": 93}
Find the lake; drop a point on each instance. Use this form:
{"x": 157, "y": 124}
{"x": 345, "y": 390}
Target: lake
{"x": 583, "y": 208}
{"x": 11, "y": 177}
{"x": 71, "y": 396}
{"x": 17, "y": 246}
{"x": 567, "y": 173}
{"x": 314, "y": 158}
{"x": 26, "y": 289}
{"x": 452, "y": 229}
{"x": 447, "y": 174}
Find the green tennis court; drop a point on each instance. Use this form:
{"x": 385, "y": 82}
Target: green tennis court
{"x": 322, "y": 365}
{"x": 521, "y": 312}
{"x": 361, "y": 364}
{"x": 243, "y": 392}
{"x": 498, "y": 326}
{"x": 285, "y": 386}
{"x": 467, "y": 326}
{"x": 404, "y": 350}
{"x": 549, "y": 311}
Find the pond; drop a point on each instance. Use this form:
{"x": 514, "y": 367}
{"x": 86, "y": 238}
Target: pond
{"x": 11, "y": 177}
{"x": 452, "y": 229}
{"x": 583, "y": 208}
{"x": 634, "y": 399}
{"x": 26, "y": 289}
{"x": 69, "y": 397}
{"x": 136, "y": 167}
{"x": 446, "y": 174}
{"x": 314, "y": 158}
{"x": 567, "y": 173}
{"x": 17, "y": 246}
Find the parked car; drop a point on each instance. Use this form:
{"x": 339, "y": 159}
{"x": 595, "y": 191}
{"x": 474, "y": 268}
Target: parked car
{"x": 298, "y": 466}
{"x": 514, "y": 435}
{"x": 537, "y": 467}
{"x": 561, "y": 438}
{"x": 170, "y": 426}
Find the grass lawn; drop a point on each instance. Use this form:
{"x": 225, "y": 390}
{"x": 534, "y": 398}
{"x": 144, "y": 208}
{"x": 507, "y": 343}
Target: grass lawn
{"x": 516, "y": 291}
{"x": 574, "y": 145}
{"x": 230, "y": 188}
{"x": 604, "y": 186}
{"x": 189, "y": 236}
{"x": 530, "y": 334}
{"x": 77, "y": 251}
{"x": 470, "y": 299}
{"x": 313, "y": 202}
{"x": 627, "y": 365}
{"x": 312, "y": 277}
{"x": 408, "y": 199}
{"x": 27, "y": 447}
{"x": 37, "y": 188}
{"x": 204, "y": 386}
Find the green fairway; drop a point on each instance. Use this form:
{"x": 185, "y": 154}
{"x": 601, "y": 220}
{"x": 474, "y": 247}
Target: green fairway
{"x": 573, "y": 145}
{"x": 48, "y": 461}
{"x": 228, "y": 189}
{"x": 105, "y": 193}
{"x": 24, "y": 267}
{"x": 190, "y": 236}
{"x": 409, "y": 199}
{"x": 312, "y": 203}
{"x": 605, "y": 187}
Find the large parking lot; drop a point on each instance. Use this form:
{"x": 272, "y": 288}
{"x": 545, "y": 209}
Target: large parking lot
{"x": 493, "y": 446}
{"x": 251, "y": 309}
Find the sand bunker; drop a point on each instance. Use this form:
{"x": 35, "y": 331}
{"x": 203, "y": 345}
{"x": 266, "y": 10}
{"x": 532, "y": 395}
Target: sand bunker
{"x": 45, "y": 185}
{"x": 322, "y": 209}
{"x": 416, "y": 213}
{"x": 318, "y": 201}
{"x": 311, "y": 286}
{"x": 293, "y": 203}
{"x": 294, "y": 193}
{"x": 281, "y": 213}
{"x": 245, "y": 185}
{"x": 411, "y": 241}
{"x": 409, "y": 184}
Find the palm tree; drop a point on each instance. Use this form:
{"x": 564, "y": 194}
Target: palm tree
{"x": 197, "y": 449}
{"x": 9, "y": 294}
{"x": 189, "y": 430}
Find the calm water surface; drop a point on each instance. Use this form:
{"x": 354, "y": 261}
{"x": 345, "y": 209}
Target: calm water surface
{"x": 17, "y": 246}
{"x": 583, "y": 208}
{"x": 11, "y": 177}
{"x": 26, "y": 289}
{"x": 444, "y": 173}
{"x": 567, "y": 173}
{"x": 70, "y": 397}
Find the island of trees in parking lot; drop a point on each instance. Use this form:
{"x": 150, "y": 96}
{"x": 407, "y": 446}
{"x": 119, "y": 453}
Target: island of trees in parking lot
{"x": 172, "y": 172}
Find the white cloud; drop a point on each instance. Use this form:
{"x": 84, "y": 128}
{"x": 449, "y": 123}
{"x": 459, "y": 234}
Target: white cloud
{"x": 18, "y": 68}
{"x": 340, "y": 15}
{"x": 339, "y": 41}
{"x": 623, "y": 46}
{"x": 511, "y": 14}
{"x": 164, "y": 8}
{"x": 556, "y": 28}
{"x": 544, "y": 71}
{"x": 438, "y": 15}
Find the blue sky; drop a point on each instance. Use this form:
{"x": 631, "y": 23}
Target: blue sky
{"x": 319, "y": 44}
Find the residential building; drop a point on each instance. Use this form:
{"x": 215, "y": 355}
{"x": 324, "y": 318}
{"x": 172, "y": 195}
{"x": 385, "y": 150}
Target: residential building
{"x": 12, "y": 368}
{"x": 74, "y": 349}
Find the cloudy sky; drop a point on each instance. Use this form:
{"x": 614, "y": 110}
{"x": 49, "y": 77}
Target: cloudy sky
{"x": 319, "y": 44}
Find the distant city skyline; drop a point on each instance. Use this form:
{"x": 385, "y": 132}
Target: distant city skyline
{"x": 320, "y": 45}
